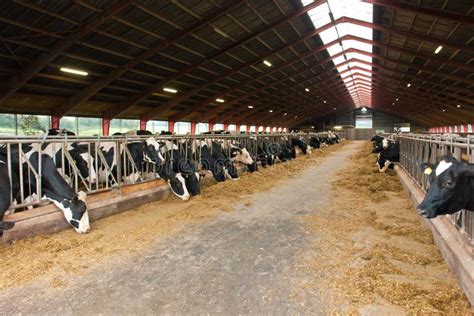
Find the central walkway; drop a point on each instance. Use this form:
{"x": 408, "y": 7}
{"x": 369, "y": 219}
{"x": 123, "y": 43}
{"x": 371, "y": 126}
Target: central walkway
{"x": 245, "y": 261}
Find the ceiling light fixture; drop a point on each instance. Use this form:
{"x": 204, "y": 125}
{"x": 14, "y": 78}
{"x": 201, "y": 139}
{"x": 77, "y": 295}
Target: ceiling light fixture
{"x": 267, "y": 63}
{"x": 324, "y": 101}
{"x": 285, "y": 114}
{"x": 170, "y": 90}
{"x": 396, "y": 99}
{"x": 74, "y": 71}
{"x": 444, "y": 110}
{"x": 250, "y": 106}
{"x": 220, "y": 100}
{"x": 438, "y": 49}
{"x": 409, "y": 85}
{"x": 270, "y": 111}
{"x": 458, "y": 106}
{"x": 306, "y": 89}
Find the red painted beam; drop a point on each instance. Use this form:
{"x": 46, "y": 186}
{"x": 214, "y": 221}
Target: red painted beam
{"x": 105, "y": 126}
{"x": 171, "y": 125}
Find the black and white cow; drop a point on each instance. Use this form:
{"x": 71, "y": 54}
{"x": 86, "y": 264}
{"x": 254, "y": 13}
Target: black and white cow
{"x": 183, "y": 168}
{"x": 230, "y": 170}
{"x": 300, "y": 144}
{"x": 5, "y": 190}
{"x": 388, "y": 156}
{"x": 54, "y": 187}
{"x": 451, "y": 187}
{"x": 315, "y": 142}
{"x": 210, "y": 163}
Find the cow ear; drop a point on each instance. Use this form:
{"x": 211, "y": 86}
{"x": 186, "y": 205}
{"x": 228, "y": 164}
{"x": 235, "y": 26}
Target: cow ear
{"x": 427, "y": 168}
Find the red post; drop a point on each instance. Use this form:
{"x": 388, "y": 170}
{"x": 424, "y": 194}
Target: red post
{"x": 237, "y": 128}
{"x": 193, "y": 128}
{"x": 171, "y": 125}
{"x": 105, "y": 126}
{"x": 248, "y": 128}
{"x": 211, "y": 126}
{"x": 143, "y": 122}
{"x": 55, "y": 121}
{"x": 226, "y": 127}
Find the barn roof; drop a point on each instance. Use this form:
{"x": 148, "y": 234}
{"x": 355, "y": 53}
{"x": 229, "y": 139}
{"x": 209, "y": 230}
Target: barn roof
{"x": 209, "y": 50}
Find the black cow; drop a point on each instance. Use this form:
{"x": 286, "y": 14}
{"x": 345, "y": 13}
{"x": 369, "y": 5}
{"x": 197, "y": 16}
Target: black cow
{"x": 315, "y": 142}
{"x": 388, "y": 156}
{"x": 60, "y": 132}
{"x": 300, "y": 144}
{"x": 451, "y": 187}
{"x": 229, "y": 169}
{"x": 210, "y": 163}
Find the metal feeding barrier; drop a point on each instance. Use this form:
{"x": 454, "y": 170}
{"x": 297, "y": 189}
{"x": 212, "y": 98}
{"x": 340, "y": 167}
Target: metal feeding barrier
{"x": 110, "y": 173}
{"x": 418, "y": 148}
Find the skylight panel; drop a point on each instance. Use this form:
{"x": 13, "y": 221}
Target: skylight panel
{"x": 354, "y": 9}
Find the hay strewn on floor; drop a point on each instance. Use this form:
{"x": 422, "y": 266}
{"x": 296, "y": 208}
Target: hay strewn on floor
{"x": 66, "y": 253}
{"x": 378, "y": 251}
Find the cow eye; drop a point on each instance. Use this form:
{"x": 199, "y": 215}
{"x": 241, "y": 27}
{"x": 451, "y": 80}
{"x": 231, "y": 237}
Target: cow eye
{"x": 448, "y": 183}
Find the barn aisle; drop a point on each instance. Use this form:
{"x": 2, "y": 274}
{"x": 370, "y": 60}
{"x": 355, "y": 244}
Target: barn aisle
{"x": 239, "y": 262}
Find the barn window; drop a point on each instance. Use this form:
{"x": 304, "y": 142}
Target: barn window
{"x": 123, "y": 126}
{"x": 182, "y": 128}
{"x": 89, "y": 126}
{"x": 157, "y": 126}
{"x": 243, "y": 128}
{"x": 8, "y": 124}
{"x": 364, "y": 121}
{"x": 202, "y": 128}
{"x": 218, "y": 127}
{"x": 232, "y": 128}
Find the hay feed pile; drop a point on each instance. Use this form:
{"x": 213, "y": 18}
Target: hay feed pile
{"x": 375, "y": 250}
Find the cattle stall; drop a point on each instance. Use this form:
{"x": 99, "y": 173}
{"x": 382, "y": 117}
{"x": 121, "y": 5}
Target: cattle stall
{"x": 418, "y": 148}
{"x": 100, "y": 173}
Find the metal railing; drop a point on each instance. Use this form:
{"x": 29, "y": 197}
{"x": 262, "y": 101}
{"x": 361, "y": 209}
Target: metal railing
{"x": 95, "y": 157}
{"x": 418, "y": 148}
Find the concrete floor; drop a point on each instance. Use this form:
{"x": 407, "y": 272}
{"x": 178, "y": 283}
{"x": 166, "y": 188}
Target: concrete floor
{"x": 240, "y": 262}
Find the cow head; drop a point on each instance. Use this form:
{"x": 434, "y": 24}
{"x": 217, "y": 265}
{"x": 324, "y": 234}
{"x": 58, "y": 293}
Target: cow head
{"x": 75, "y": 212}
{"x": 175, "y": 181}
{"x": 152, "y": 152}
{"x": 449, "y": 190}
{"x": 230, "y": 170}
{"x": 192, "y": 183}
{"x": 241, "y": 155}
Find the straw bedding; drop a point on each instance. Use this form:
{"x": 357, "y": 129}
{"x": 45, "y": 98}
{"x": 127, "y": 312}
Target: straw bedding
{"x": 375, "y": 250}
{"x": 52, "y": 258}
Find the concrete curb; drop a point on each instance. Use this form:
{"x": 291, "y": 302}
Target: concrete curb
{"x": 449, "y": 240}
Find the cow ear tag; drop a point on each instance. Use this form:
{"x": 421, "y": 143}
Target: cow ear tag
{"x": 428, "y": 171}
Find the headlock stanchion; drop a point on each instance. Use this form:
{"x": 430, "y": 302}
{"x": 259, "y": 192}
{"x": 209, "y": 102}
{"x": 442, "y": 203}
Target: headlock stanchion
{"x": 96, "y": 164}
{"x": 416, "y": 149}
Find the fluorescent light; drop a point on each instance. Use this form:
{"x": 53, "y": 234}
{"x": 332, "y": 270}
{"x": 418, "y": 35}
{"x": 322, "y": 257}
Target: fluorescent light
{"x": 220, "y": 32}
{"x": 312, "y": 126}
{"x": 324, "y": 101}
{"x": 334, "y": 109}
{"x": 409, "y": 85}
{"x": 444, "y": 110}
{"x": 270, "y": 111}
{"x": 74, "y": 71}
{"x": 220, "y": 100}
{"x": 396, "y": 99}
{"x": 267, "y": 63}
{"x": 170, "y": 90}
{"x": 285, "y": 114}
{"x": 438, "y": 49}
{"x": 306, "y": 89}
{"x": 250, "y": 106}
{"x": 459, "y": 105}
{"x": 393, "y": 103}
